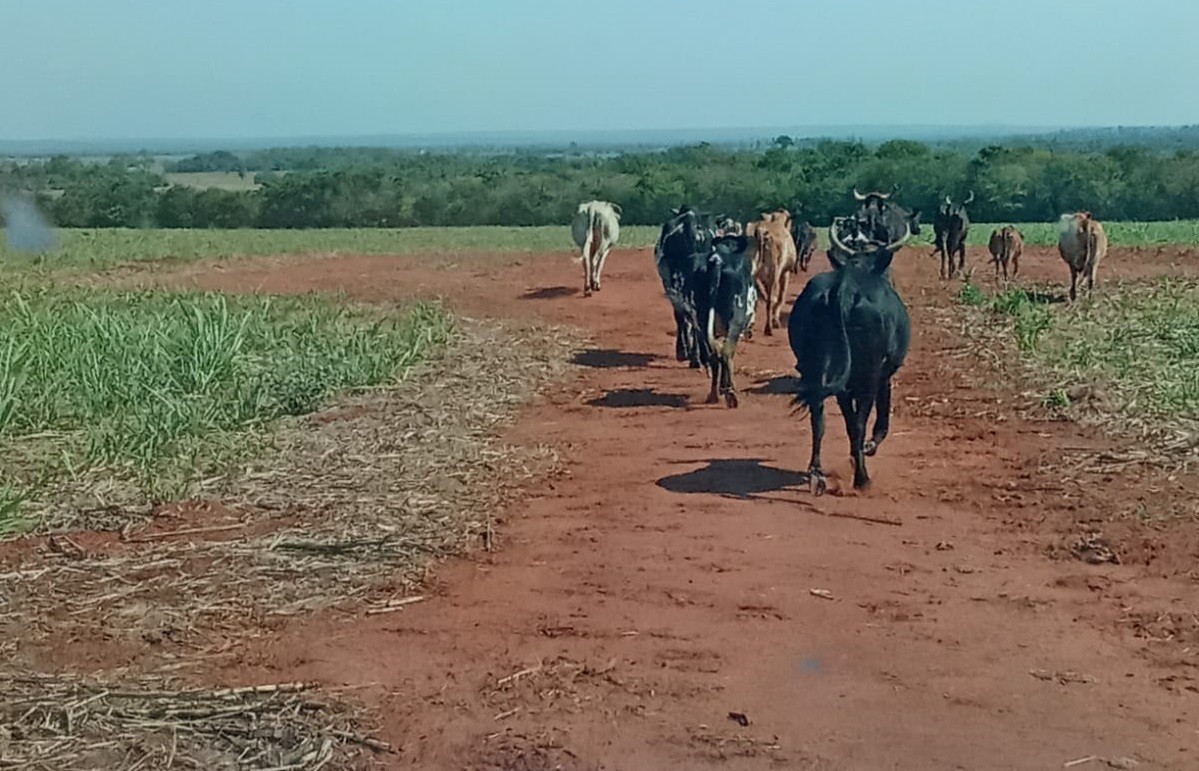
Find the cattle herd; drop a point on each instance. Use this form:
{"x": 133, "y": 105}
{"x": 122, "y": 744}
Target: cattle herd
{"x": 848, "y": 329}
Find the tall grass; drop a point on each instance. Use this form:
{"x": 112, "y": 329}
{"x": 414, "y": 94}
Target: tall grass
{"x": 96, "y": 249}
{"x": 158, "y": 389}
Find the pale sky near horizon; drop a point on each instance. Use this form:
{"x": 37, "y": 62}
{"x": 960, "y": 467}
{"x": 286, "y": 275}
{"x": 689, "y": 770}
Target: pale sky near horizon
{"x": 86, "y": 69}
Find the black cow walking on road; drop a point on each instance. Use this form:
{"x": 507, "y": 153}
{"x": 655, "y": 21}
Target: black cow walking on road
{"x": 850, "y": 332}
{"x": 950, "y": 228}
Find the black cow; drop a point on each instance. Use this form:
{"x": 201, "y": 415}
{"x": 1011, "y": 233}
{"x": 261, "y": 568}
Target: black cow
{"x": 850, "y": 333}
{"x": 726, "y": 309}
{"x": 882, "y": 221}
{"x": 684, "y": 245}
{"x": 804, "y": 236}
{"x": 950, "y": 227}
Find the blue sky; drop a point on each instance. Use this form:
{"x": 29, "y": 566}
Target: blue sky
{"x": 73, "y": 69}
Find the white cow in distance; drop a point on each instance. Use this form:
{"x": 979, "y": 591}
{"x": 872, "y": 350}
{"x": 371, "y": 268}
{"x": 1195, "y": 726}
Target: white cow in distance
{"x": 596, "y": 229}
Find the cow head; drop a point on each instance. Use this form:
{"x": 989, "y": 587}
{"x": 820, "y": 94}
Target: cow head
{"x": 857, "y": 246}
{"x": 880, "y": 220}
{"x": 689, "y": 229}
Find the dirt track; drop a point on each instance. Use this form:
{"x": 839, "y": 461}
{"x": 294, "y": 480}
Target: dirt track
{"x": 668, "y": 580}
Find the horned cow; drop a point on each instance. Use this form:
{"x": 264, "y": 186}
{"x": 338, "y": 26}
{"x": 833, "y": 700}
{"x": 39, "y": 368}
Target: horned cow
{"x": 1082, "y": 243}
{"x": 850, "y": 333}
{"x": 804, "y": 236}
{"x": 596, "y": 229}
{"x": 950, "y": 228}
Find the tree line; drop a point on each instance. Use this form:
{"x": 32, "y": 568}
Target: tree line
{"x": 363, "y": 187}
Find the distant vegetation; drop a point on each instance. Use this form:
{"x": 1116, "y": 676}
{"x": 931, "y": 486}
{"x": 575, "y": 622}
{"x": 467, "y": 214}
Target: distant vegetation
{"x": 365, "y": 187}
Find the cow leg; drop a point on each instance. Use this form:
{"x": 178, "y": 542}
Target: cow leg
{"x": 682, "y": 345}
{"x": 962, "y": 258}
{"x": 726, "y": 381}
{"x": 587, "y": 270}
{"x": 717, "y": 377}
{"x": 944, "y": 272}
{"x": 1073, "y": 283}
{"x": 1015, "y": 265}
{"x": 816, "y": 479}
{"x": 882, "y": 419}
{"x": 599, "y": 266}
{"x": 782, "y": 298}
{"x": 857, "y": 412}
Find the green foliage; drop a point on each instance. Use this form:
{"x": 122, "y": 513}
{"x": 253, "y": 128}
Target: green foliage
{"x": 1138, "y": 342}
{"x": 98, "y": 249}
{"x": 971, "y": 294}
{"x": 1142, "y": 339}
{"x": 377, "y": 187}
{"x": 157, "y": 389}
{"x": 1029, "y": 313}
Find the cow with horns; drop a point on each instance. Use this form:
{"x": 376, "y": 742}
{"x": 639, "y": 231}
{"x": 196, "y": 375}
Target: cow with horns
{"x": 950, "y": 227}
{"x": 850, "y": 333}
{"x": 879, "y": 220}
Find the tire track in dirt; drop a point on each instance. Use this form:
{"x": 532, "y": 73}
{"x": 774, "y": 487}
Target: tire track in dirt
{"x": 667, "y": 580}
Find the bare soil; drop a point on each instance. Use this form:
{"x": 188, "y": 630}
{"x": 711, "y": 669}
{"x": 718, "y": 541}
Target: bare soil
{"x": 677, "y": 599}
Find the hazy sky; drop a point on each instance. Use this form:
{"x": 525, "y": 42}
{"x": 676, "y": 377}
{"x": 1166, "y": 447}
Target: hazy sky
{"x": 73, "y": 69}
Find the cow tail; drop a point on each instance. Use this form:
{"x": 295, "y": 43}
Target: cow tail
{"x": 1092, "y": 247}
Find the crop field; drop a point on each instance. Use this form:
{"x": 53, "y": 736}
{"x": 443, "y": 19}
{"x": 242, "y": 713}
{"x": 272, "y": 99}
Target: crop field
{"x": 102, "y": 248}
{"x": 222, "y": 180}
{"x": 418, "y": 510}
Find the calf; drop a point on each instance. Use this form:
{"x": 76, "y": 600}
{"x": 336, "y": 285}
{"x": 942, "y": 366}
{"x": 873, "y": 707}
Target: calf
{"x": 1082, "y": 243}
{"x": 1006, "y": 245}
{"x": 774, "y": 262}
{"x": 596, "y": 229}
{"x": 850, "y": 332}
{"x": 950, "y": 228}
{"x": 804, "y": 236}
{"x": 681, "y": 256}
{"x": 726, "y": 306}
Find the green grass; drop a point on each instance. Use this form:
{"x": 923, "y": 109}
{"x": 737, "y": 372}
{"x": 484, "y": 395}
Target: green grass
{"x": 97, "y": 249}
{"x": 1138, "y": 342}
{"x": 159, "y": 389}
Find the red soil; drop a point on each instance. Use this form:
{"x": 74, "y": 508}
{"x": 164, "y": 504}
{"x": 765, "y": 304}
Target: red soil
{"x": 678, "y": 581}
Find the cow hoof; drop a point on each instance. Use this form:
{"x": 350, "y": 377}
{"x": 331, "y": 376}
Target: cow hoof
{"x": 818, "y": 483}
{"x": 730, "y": 400}
{"x": 769, "y": 332}
{"x": 869, "y": 447}
{"x": 713, "y": 398}
{"x": 862, "y": 483}
{"x": 695, "y": 364}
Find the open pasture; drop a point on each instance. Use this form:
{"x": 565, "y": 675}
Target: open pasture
{"x": 651, "y": 564}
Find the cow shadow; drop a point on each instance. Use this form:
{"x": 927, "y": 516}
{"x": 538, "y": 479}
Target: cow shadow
{"x": 549, "y": 293}
{"x": 733, "y": 477}
{"x": 606, "y": 358}
{"x": 780, "y": 385}
{"x": 639, "y": 397}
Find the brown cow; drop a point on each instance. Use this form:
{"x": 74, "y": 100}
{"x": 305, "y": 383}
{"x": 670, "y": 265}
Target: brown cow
{"x": 774, "y": 262}
{"x": 1006, "y": 245}
{"x": 1082, "y": 243}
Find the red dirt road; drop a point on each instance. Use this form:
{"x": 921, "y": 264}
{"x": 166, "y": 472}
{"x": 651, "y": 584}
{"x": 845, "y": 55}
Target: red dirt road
{"x": 680, "y": 577}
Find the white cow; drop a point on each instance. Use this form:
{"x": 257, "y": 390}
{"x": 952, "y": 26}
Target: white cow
{"x": 596, "y": 229}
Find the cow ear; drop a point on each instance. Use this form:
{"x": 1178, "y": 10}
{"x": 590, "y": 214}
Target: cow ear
{"x": 882, "y": 260}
